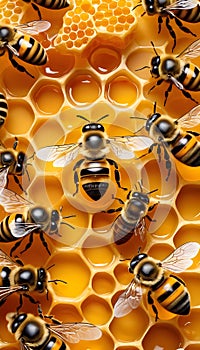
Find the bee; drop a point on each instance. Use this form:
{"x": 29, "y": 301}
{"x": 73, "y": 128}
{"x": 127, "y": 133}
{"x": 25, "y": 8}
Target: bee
{"x": 188, "y": 11}
{"x": 27, "y": 219}
{"x": 177, "y": 70}
{"x": 93, "y": 171}
{"x": 23, "y": 46}
{"x": 22, "y": 279}
{"x": 168, "y": 133}
{"x": 34, "y": 333}
{"x": 48, "y": 4}
{"x": 132, "y": 218}
{"x": 168, "y": 290}
{"x": 3, "y": 109}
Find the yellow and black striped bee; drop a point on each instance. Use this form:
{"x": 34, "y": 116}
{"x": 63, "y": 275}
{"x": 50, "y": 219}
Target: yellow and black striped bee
{"x": 33, "y": 332}
{"x": 188, "y": 11}
{"x": 27, "y": 219}
{"x": 132, "y": 218}
{"x": 168, "y": 290}
{"x": 92, "y": 173}
{"x": 22, "y": 279}
{"x": 3, "y": 109}
{"x": 48, "y": 4}
{"x": 168, "y": 133}
{"x": 23, "y": 46}
{"x": 177, "y": 70}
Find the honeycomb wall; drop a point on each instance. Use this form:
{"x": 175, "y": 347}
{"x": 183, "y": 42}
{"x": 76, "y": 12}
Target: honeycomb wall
{"x": 94, "y": 50}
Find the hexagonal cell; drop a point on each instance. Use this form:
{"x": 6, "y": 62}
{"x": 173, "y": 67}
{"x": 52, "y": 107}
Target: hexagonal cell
{"x": 47, "y": 96}
{"x": 83, "y": 88}
{"x": 187, "y": 233}
{"x": 16, "y": 83}
{"x": 122, "y": 274}
{"x": 58, "y": 64}
{"x": 96, "y": 310}
{"x": 160, "y": 251}
{"x": 42, "y": 190}
{"x": 71, "y": 268}
{"x": 164, "y": 336}
{"x": 104, "y": 59}
{"x": 97, "y": 251}
{"x": 103, "y": 283}
{"x": 66, "y": 313}
{"x": 192, "y": 279}
{"x": 122, "y": 89}
{"x": 189, "y": 194}
{"x": 137, "y": 62}
{"x": 105, "y": 342}
{"x": 20, "y": 117}
{"x": 131, "y": 327}
{"x": 189, "y": 325}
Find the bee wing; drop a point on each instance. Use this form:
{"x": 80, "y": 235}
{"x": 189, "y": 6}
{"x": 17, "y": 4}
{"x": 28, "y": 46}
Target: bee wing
{"x": 176, "y": 82}
{"x": 74, "y": 332}
{"x": 191, "y": 51}
{"x": 182, "y": 5}
{"x": 135, "y": 143}
{"x": 5, "y": 260}
{"x": 128, "y": 300}
{"x": 20, "y": 230}
{"x": 12, "y": 49}
{"x": 190, "y": 119}
{"x": 23, "y": 346}
{"x": 60, "y": 154}
{"x": 3, "y": 177}
{"x": 34, "y": 27}
{"x": 140, "y": 229}
{"x": 7, "y": 291}
{"x": 120, "y": 147}
{"x": 12, "y": 201}
{"x": 181, "y": 259}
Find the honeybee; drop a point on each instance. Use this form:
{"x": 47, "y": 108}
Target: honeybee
{"x": 188, "y": 11}
{"x": 23, "y": 279}
{"x": 3, "y": 109}
{"x": 176, "y": 70}
{"x": 93, "y": 171}
{"x": 34, "y": 333}
{"x": 48, "y": 4}
{"x": 32, "y": 219}
{"x": 23, "y": 46}
{"x": 167, "y": 133}
{"x": 132, "y": 218}
{"x": 168, "y": 290}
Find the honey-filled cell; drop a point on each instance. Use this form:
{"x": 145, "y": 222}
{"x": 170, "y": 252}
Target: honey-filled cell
{"x": 20, "y": 118}
{"x": 97, "y": 251}
{"x": 103, "y": 283}
{"x": 105, "y": 342}
{"x": 191, "y": 279}
{"x": 122, "y": 274}
{"x": 189, "y": 325}
{"x": 66, "y": 313}
{"x": 104, "y": 60}
{"x": 187, "y": 233}
{"x": 58, "y": 64}
{"x": 96, "y": 310}
{"x": 187, "y": 195}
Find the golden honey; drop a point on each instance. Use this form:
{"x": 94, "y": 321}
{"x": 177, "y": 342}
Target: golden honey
{"x": 95, "y": 51}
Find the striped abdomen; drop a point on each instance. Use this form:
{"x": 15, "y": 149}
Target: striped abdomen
{"x": 191, "y": 16}
{"x": 173, "y": 296}
{"x": 52, "y": 4}
{"x": 6, "y": 234}
{"x": 187, "y": 150}
{"x": 3, "y": 109}
{"x": 54, "y": 343}
{"x": 123, "y": 230}
{"x": 190, "y": 77}
{"x": 30, "y": 50}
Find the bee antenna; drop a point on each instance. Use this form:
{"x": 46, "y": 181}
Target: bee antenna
{"x": 154, "y": 107}
{"x": 82, "y": 117}
{"x": 152, "y": 191}
{"x": 56, "y": 281}
{"x": 154, "y": 49}
{"x": 136, "y": 70}
{"x": 125, "y": 259}
{"x": 103, "y": 117}
{"x": 66, "y": 223}
{"x": 138, "y": 118}
{"x": 139, "y": 4}
{"x": 48, "y": 268}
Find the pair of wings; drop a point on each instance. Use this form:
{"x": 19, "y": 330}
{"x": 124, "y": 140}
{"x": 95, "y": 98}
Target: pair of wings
{"x": 72, "y": 333}
{"x": 123, "y": 147}
{"x": 181, "y": 5}
{"x": 179, "y": 261}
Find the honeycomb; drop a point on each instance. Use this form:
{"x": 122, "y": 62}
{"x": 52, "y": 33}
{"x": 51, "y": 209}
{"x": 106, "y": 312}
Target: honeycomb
{"x": 95, "y": 49}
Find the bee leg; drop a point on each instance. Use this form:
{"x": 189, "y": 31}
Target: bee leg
{"x": 167, "y": 162}
{"x": 159, "y": 82}
{"x": 117, "y": 174}
{"x": 29, "y": 244}
{"x": 151, "y": 302}
{"x": 160, "y": 21}
{"x": 31, "y": 299}
{"x": 171, "y": 32}
{"x": 169, "y": 89}
{"x": 17, "y": 244}
{"x": 36, "y": 8}
{"x": 182, "y": 27}
{"x": 20, "y": 303}
{"x": 111, "y": 211}
{"x": 41, "y": 315}
{"x": 17, "y": 65}
{"x": 44, "y": 243}
{"x": 187, "y": 94}
{"x": 18, "y": 183}
{"x": 76, "y": 180}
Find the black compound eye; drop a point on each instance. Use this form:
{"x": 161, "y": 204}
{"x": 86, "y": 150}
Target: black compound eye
{"x": 136, "y": 260}
{"x": 39, "y": 214}
{"x": 55, "y": 215}
{"x": 21, "y": 157}
{"x": 93, "y": 127}
{"x": 7, "y": 158}
{"x": 42, "y": 274}
{"x": 151, "y": 120}
{"x": 4, "y": 33}
{"x": 18, "y": 320}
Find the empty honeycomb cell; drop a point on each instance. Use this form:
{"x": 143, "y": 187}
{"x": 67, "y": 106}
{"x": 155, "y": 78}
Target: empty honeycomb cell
{"x": 122, "y": 90}
{"x": 16, "y": 83}
{"x": 21, "y": 117}
{"x": 105, "y": 342}
{"x": 192, "y": 280}
{"x": 97, "y": 252}
{"x": 83, "y": 89}
{"x": 104, "y": 60}
{"x": 48, "y": 97}
{"x": 189, "y": 325}
{"x": 96, "y": 310}
{"x": 42, "y": 190}
{"x": 131, "y": 327}
{"x": 160, "y": 251}
{"x": 187, "y": 195}
{"x": 122, "y": 274}
{"x": 165, "y": 224}
{"x": 46, "y": 132}
{"x": 187, "y": 233}
{"x": 163, "y": 336}
{"x": 70, "y": 268}
{"x": 103, "y": 283}
{"x": 66, "y": 313}
{"x": 58, "y": 64}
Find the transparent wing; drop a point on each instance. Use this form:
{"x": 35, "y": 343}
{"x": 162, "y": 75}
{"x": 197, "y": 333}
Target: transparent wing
{"x": 20, "y": 230}
{"x": 136, "y": 143}
{"x": 140, "y": 229}
{"x": 23, "y": 346}
{"x": 5, "y": 260}
{"x": 66, "y": 152}
{"x": 192, "y": 51}
{"x": 3, "y": 177}
{"x": 12, "y": 201}
{"x": 190, "y": 119}
{"x": 74, "y": 332}
{"x": 182, "y": 5}
{"x": 128, "y": 300}
{"x": 120, "y": 147}
{"x": 176, "y": 82}
{"x": 34, "y": 27}
{"x": 181, "y": 259}
{"x": 12, "y": 49}
{"x": 5, "y": 292}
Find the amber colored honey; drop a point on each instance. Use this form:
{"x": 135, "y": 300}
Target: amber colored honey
{"x": 95, "y": 49}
